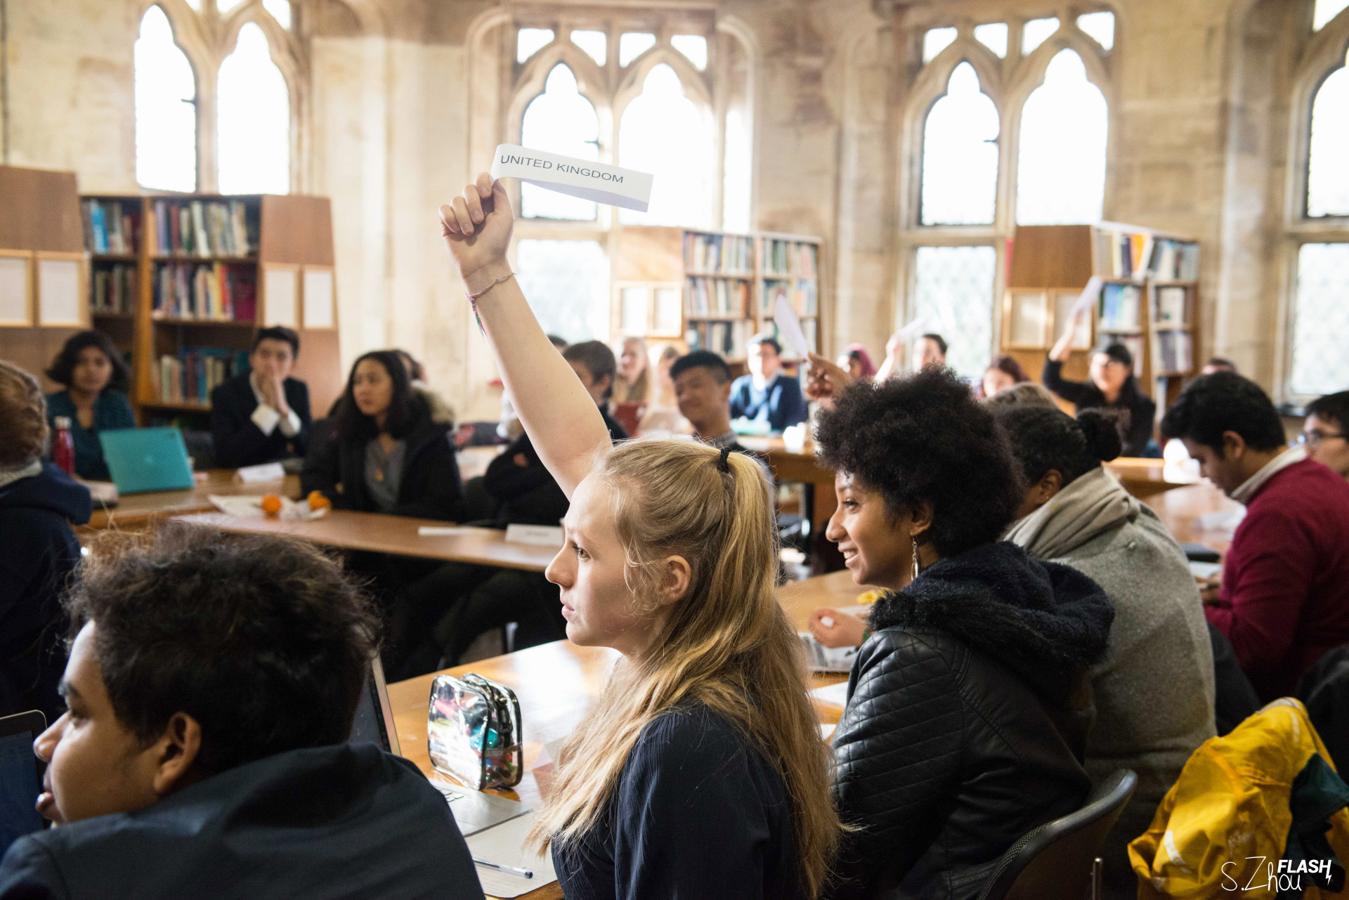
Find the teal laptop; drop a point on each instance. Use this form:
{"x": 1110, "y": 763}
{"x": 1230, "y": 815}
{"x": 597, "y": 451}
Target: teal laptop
{"x": 146, "y": 459}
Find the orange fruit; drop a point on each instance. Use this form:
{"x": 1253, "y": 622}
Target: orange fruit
{"x": 271, "y": 505}
{"x": 318, "y": 500}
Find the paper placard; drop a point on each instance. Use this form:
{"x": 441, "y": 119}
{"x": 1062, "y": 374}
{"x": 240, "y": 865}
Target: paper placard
{"x": 258, "y": 474}
{"x": 539, "y": 535}
{"x": 15, "y": 290}
{"x": 912, "y": 330}
{"x": 1089, "y": 295}
{"x": 574, "y": 177}
{"x": 58, "y": 292}
{"x": 279, "y": 289}
{"x": 789, "y": 326}
{"x": 318, "y": 298}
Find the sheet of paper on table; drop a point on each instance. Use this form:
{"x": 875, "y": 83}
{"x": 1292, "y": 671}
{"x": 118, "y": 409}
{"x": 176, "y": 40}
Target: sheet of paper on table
{"x": 505, "y": 844}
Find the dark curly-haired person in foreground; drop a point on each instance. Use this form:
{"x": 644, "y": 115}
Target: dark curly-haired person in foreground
{"x": 212, "y": 684}
{"x": 968, "y": 703}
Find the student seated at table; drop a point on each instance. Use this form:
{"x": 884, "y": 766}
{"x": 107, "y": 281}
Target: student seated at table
{"x": 857, "y": 362}
{"x": 94, "y": 399}
{"x": 928, "y": 352}
{"x": 1325, "y": 433}
{"x": 385, "y": 453}
{"x": 1154, "y": 689}
{"x": 38, "y": 503}
{"x": 1112, "y": 386}
{"x": 262, "y": 415}
{"x": 1003, "y": 372}
{"x": 662, "y": 412}
{"x": 969, "y": 702}
{"x": 212, "y": 685}
{"x": 700, "y": 773}
{"x": 767, "y": 395}
{"x": 702, "y": 383}
{"x": 1284, "y": 596}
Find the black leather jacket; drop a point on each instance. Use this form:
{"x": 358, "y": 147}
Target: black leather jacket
{"x": 967, "y": 716}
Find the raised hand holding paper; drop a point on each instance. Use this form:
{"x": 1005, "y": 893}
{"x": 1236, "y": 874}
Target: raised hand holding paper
{"x": 789, "y": 326}
{"x": 1087, "y": 297}
{"x": 582, "y": 178}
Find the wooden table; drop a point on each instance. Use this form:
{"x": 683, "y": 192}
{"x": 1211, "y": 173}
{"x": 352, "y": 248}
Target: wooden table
{"x": 394, "y": 535}
{"x": 1181, "y": 508}
{"x": 558, "y": 683}
{"x": 139, "y": 510}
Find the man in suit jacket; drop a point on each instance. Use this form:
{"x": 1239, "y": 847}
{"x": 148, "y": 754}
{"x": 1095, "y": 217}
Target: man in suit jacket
{"x": 767, "y": 394}
{"x": 262, "y": 415}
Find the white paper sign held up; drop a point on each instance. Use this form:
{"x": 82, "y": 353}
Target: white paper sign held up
{"x": 582, "y": 178}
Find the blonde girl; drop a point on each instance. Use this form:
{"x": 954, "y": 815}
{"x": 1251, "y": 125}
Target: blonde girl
{"x": 700, "y": 772}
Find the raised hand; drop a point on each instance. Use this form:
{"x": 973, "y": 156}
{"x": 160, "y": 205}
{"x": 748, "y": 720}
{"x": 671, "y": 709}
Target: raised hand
{"x": 477, "y": 228}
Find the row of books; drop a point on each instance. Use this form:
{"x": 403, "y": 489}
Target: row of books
{"x": 783, "y": 257}
{"x": 1120, "y": 307}
{"x": 1169, "y": 306}
{"x": 113, "y": 288}
{"x": 190, "y": 376}
{"x": 205, "y": 228}
{"x": 803, "y": 296}
{"x": 727, "y": 338}
{"x": 1175, "y": 260}
{"x": 1122, "y": 254}
{"x": 1175, "y": 353}
{"x": 718, "y": 253}
{"x": 218, "y": 292}
{"x": 111, "y": 226}
{"x": 717, "y": 297}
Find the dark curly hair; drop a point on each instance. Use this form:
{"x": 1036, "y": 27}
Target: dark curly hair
{"x": 406, "y": 409}
{"x": 1044, "y": 438}
{"x": 62, "y": 369}
{"x": 925, "y": 438}
{"x": 263, "y": 640}
{"x": 1224, "y": 401}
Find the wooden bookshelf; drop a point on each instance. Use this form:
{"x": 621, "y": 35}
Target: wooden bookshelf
{"x": 1148, "y": 299}
{"x": 204, "y": 266}
{"x": 39, "y": 227}
{"x": 727, "y": 283}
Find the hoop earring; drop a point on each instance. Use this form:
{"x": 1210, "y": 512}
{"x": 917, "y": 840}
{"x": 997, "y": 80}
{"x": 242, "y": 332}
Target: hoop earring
{"x": 916, "y": 569}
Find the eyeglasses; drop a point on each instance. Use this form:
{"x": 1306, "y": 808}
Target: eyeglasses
{"x": 1314, "y": 438}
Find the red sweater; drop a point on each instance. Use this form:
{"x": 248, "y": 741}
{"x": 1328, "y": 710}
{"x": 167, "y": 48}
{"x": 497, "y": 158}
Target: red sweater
{"x": 1285, "y": 593}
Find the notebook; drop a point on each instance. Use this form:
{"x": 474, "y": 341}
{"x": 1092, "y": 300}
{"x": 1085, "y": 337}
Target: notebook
{"x": 20, "y": 776}
{"x": 146, "y": 459}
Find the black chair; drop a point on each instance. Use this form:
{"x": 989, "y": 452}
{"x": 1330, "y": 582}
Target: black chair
{"x": 1059, "y": 858}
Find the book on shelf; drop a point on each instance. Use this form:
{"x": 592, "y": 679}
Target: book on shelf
{"x": 1120, "y": 307}
{"x": 788, "y": 257}
{"x": 1170, "y": 306}
{"x": 727, "y": 338}
{"x": 218, "y": 292}
{"x": 1175, "y": 260}
{"x": 113, "y": 288}
{"x": 718, "y": 253}
{"x": 205, "y": 228}
{"x": 717, "y": 297}
{"x": 191, "y": 375}
{"x": 1123, "y": 254}
{"x": 802, "y": 295}
{"x": 1175, "y": 352}
{"x": 110, "y": 226}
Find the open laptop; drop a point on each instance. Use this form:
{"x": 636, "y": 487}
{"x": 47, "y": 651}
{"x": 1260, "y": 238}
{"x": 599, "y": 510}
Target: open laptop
{"x": 473, "y": 810}
{"x": 20, "y": 776}
{"x": 146, "y": 459}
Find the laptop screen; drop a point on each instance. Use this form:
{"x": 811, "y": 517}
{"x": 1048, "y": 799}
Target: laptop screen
{"x": 20, "y": 777}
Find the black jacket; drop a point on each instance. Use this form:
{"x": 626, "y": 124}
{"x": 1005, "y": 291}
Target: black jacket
{"x": 518, "y": 481}
{"x": 1135, "y": 409}
{"x": 343, "y": 821}
{"x": 967, "y": 717}
{"x": 430, "y": 486}
{"x": 38, "y": 551}
{"x": 238, "y": 442}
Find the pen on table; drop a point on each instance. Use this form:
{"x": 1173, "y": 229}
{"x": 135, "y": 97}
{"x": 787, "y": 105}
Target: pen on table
{"x": 509, "y": 870}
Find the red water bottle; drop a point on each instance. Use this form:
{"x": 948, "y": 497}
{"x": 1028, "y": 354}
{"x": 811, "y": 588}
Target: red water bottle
{"x": 63, "y": 446}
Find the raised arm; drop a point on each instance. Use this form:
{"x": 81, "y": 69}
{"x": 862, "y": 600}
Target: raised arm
{"x": 560, "y": 417}
{"x": 1063, "y": 347}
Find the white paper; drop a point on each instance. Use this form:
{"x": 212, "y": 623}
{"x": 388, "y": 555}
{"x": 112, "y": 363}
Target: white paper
{"x": 912, "y": 330}
{"x": 833, "y": 694}
{"x": 14, "y": 291}
{"x": 257, "y": 474}
{"x": 318, "y": 298}
{"x": 538, "y": 535}
{"x": 278, "y": 297}
{"x": 58, "y": 292}
{"x": 582, "y": 178}
{"x": 1088, "y": 297}
{"x": 789, "y": 326}
{"x": 1205, "y": 570}
{"x": 505, "y": 844}
{"x": 442, "y": 530}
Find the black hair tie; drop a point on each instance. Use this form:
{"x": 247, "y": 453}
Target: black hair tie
{"x": 724, "y": 462}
